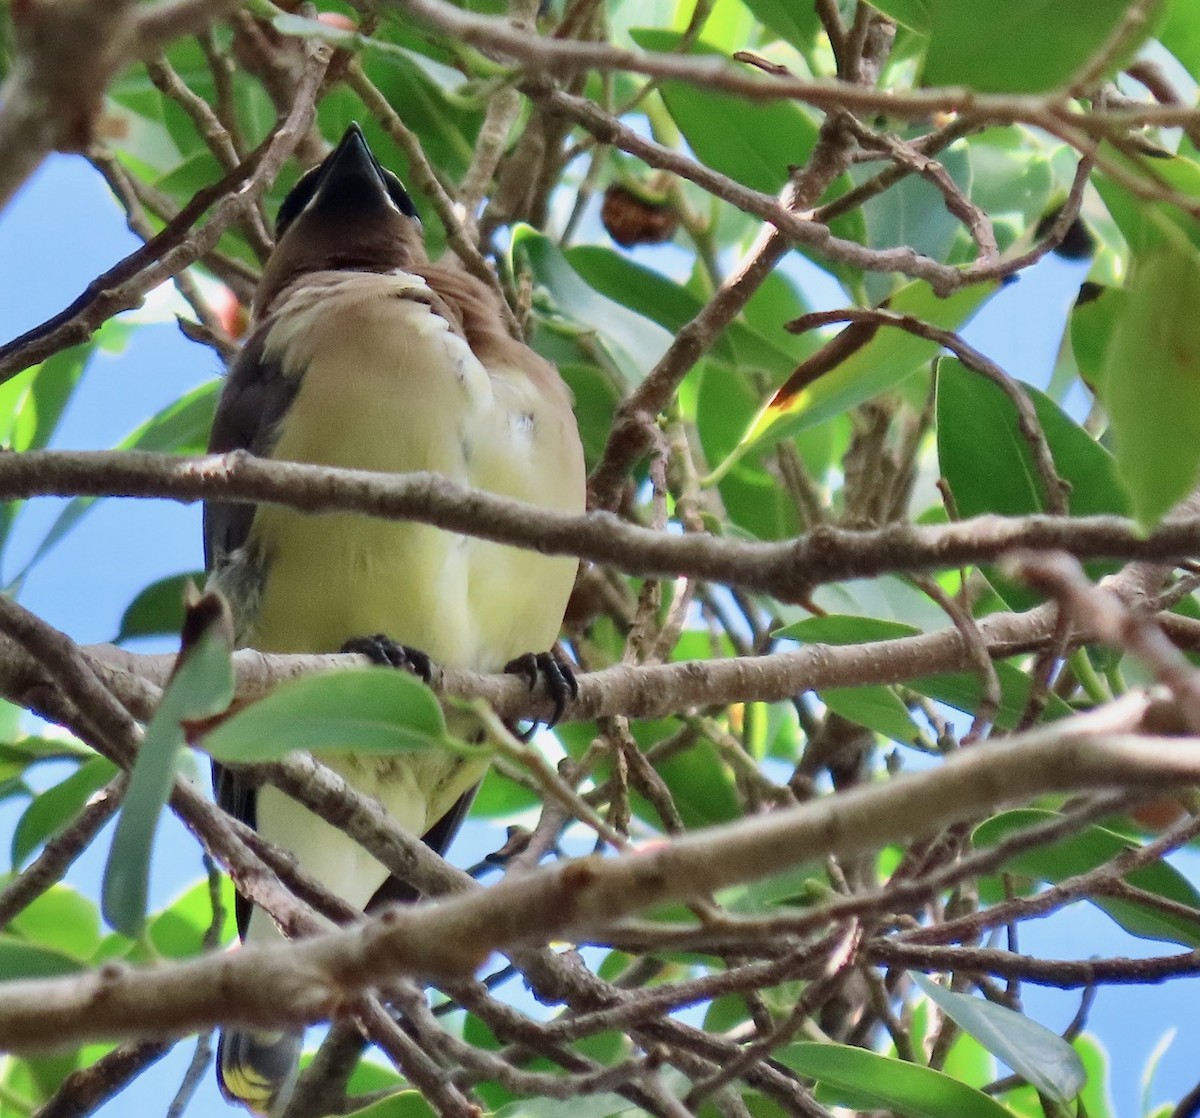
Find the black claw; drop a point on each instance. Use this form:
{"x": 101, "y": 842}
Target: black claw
{"x": 382, "y": 650}
{"x": 556, "y": 674}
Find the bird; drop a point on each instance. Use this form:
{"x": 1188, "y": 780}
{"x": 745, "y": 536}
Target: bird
{"x": 362, "y": 353}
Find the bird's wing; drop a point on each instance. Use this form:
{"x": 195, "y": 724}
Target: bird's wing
{"x": 255, "y": 398}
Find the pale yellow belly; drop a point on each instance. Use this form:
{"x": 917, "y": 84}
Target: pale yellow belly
{"x": 404, "y": 394}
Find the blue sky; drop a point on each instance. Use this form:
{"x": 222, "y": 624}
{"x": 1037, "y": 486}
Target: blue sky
{"x": 64, "y": 228}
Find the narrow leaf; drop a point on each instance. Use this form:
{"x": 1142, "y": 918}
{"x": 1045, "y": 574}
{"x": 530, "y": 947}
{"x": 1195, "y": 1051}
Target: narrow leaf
{"x": 201, "y": 688}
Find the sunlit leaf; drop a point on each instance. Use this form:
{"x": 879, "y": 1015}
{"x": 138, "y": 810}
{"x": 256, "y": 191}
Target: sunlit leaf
{"x": 369, "y": 710}
{"x": 863, "y": 1080}
{"x": 180, "y": 428}
{"x": 890, "y": 356}
{"x": 63, "y": 919}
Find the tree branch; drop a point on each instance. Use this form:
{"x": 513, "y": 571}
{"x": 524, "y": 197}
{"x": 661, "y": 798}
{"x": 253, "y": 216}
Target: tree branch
{"x": 789, "y": 569}
{"x": 308, "y": 980}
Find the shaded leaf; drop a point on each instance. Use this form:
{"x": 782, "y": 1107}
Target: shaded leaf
{"x": 876, "y": 707}
{"x": 158, "y": 609}
{"x": 989, "y": 465}
{"x": 55, "y": 808}
{"x": 201, "y": 688}
{"x": 1033, "y": 1051}
{"x": 754, "y": 143}
{"x": 1090, "y": 849}
{"x": 796, "y": 23}
{"x": 1150, "y": 379}
{"x": 19, "y": 959}
{"x": 633, "y": 341}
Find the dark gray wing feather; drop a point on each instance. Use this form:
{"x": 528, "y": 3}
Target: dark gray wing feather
{"x": 254, "y": 399}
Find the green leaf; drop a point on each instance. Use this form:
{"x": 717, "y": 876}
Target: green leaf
{"x": 369, "y": 710}
{"x": 178, "y": 931}
{"x": 1093, "y": 318}
{"x": 963, "y": 691}
{"x": 1147, "y": 225}
{"x": 1090, "y": 849}
{"x": 42, "y": 394}
{"x": 1021, "y": 46}
{"x": 1012, "y": 182}
{"x": 798, "y": 886}
{"x": 201, "y": 688}
{"x": 499, "y": 797}
{"x": 1180, "y": 34}
{"x": 913, "y": 14}
{"x": 31, "y": 404}
{"x": 1034, "y": 1052}
{"x": 960, "y": 690}
{"x": 641, "y": 290}
{"x": 596, "y": 400}
{"x": 913, "y": 212}
{"x": 346, "y": 39}
{"x": 158, "y": 609}
{"x": 63, "y": 919}
{"x": 842, "y": 629}
{"x": 19, "y": 959}
{"x": 796, "y": 23}
{"x": 864, "y": 1080}
{"x": 989, "y": 465}
{"x": 753, "y": 142}
{"x": 180, "y": 428}
{"x": 1097, "y": 1093}
{"x": 403, "y": 1104}
{"x": 1149, "y": 383}
{"x": 633, "y": 342}
{"x": 889, "y": 358}
{"x": 55, "y": 808}
{"x": 755, "y": 501}
{"x": 876, "y": 707}
{"x": 584, "y": 1106}
{"x": 701, "y": 786}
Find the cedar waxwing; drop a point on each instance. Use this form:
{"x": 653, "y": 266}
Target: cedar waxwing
{"x": 363, "y": 354}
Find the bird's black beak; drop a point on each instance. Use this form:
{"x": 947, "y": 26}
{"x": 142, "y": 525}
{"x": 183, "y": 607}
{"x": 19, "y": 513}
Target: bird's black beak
{"x": 350, "y": 183}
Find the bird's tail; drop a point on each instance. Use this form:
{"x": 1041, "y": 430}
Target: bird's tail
{"x": 258, "y": 1070}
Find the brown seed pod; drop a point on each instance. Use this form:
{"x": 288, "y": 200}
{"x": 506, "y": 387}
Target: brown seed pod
{"x": 632, "y": 220}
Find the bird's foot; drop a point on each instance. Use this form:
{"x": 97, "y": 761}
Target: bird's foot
{"x": 555, "y": 674}
{"x": 382, "y": 650}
